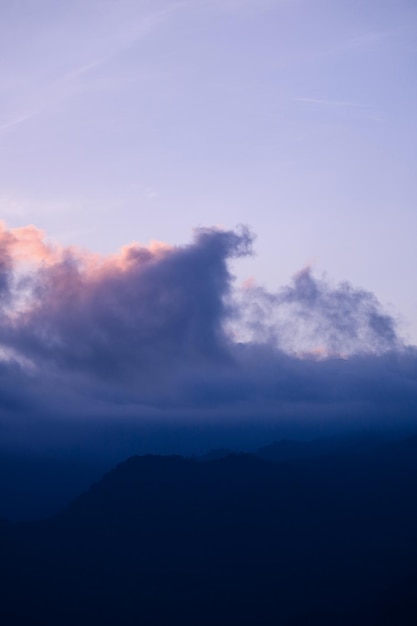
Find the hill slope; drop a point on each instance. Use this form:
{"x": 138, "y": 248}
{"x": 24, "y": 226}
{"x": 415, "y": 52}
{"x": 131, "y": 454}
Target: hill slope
{"x": 236, "y": 540}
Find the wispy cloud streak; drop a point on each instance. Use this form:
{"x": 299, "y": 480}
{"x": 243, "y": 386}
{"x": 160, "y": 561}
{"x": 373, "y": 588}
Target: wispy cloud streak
{"x": 332, "y": 103}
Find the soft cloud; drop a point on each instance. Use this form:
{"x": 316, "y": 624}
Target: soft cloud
{"x": 162, "y": 331}
{"x": 313, "y": 317}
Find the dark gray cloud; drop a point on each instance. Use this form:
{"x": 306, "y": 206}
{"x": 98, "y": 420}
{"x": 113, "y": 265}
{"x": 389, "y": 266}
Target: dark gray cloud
{"x": 162, "y": 334}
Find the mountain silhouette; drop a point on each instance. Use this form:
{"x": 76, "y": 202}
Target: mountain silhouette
{"x": 234, "y": 540}
{"x": 35, "y": 486}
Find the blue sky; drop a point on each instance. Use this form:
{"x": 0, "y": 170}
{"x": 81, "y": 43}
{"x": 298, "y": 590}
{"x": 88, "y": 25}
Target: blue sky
{"x": 134, "y": 120}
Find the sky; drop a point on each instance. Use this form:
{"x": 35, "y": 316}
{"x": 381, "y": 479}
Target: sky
{"x": 269, "y": 146}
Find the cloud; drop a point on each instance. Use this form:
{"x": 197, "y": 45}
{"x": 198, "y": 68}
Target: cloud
{"x": 162, "y": 332}
{"x": 312, "y": 317}
{"x": 125, "y": 315}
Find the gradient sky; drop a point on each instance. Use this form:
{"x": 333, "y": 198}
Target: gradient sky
{"x": 133, "y": 120}
{"x": 124, "y": 121}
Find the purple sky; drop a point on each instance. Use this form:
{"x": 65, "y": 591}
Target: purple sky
{"x": 134, "y": 121}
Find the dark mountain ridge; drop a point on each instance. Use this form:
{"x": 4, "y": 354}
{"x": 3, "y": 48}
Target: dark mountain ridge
{"x": 235, "y": 540}
{"x": 35, "y": 486}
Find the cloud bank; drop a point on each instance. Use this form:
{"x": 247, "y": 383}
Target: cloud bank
{"x": 163, "y": 333}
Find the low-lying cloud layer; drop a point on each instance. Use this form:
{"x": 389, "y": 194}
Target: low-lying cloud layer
{"x": 162, "y": 332}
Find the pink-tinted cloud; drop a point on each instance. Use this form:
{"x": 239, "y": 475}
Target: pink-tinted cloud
{"x": 160, "y": 330}
{"x": 120, "y": 314}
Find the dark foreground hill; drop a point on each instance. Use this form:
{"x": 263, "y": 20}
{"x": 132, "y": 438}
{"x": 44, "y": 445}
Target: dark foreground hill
{"x": 35, "y": 486}
{"x": 235, "y": 540}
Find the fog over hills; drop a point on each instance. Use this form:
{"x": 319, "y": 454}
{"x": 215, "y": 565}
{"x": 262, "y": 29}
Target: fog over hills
{"x": 157, "y": 350}
{"x": 208, "y": 329}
